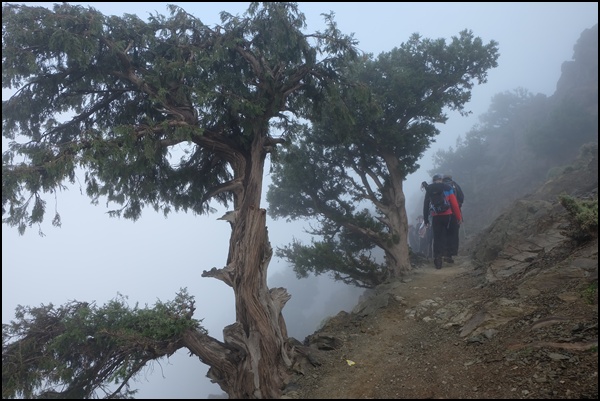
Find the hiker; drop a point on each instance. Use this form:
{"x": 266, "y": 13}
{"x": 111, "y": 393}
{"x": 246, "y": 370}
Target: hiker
{"x": 425, "y": 232}
{"x": 425, "y": 237}
{"x": 440, "y": 200}
{"x": 454, "y": 228}
{"x": 413, "y": 237}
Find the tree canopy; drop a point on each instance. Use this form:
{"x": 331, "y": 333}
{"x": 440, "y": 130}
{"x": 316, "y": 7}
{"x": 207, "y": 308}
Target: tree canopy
{"x": 114, "y": 95}
{"x": 348, "y": 167}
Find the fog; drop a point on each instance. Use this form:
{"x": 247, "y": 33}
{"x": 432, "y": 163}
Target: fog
{"x": 94, "y": 258}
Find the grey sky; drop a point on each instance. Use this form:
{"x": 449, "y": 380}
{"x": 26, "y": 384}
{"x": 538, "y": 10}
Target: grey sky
{"x": 93, "y": 257}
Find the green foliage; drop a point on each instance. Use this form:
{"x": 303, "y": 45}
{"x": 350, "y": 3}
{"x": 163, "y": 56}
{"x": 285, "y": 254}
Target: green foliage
{"x": 557, "y": 171}
{"x": 157, "y": 114}
{"x": 347, "y": 168}
{"x": 352, "y": 268}
{"x": 590, "y": 293}
{"x": 80, "y": 350}
{"x": 584, "y": 217}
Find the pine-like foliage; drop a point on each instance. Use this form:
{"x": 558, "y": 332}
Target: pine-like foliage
{"x": 80, "y": 350}
{"x": 348, "y": 168}
{"x": 170, "y": 114}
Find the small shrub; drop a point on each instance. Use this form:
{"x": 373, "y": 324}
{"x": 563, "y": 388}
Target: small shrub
{"x": 583, "y": 217}
{"x": 590, "y": 293}
{"x": 558, "y": 171}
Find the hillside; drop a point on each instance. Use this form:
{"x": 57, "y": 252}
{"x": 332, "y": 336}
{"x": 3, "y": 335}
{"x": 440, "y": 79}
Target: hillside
{"x": 515, "y": 317}
{"x": 525, "y": 138}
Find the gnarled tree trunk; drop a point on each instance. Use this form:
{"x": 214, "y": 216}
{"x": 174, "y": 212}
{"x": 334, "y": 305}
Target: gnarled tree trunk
{"x": 393, "y": 206}
{"x": 257, "y": 358}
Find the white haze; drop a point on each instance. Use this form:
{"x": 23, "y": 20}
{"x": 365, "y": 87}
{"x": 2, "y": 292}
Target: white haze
{"x": 95, "y": 258}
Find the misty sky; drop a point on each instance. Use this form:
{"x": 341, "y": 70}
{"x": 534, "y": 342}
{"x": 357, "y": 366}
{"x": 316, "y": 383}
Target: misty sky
{"x": 95, "y": 258}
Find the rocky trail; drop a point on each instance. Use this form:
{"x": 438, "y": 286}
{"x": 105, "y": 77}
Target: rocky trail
{"x": 516, "y": 315}
{"x": 450, "y": 333}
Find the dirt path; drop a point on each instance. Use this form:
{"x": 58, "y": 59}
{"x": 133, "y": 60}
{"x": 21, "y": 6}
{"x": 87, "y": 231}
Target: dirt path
{"x": 421, "y": 359}
{"x": 411, "y": 347}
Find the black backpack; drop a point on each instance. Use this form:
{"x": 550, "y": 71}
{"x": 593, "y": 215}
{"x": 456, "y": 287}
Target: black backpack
{"x": 437, "y": 199}
{"x": 460, "y": 196}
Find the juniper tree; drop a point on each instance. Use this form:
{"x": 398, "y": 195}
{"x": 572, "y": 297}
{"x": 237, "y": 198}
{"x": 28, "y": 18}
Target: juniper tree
{"x": 108, "y": 98}
{"x": 347, "y": 169}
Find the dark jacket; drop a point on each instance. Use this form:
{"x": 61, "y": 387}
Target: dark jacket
{"x": 450, "y": 197}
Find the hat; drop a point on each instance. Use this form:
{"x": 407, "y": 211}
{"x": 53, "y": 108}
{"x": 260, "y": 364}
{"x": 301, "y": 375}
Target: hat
{"x": 436, "y": 177}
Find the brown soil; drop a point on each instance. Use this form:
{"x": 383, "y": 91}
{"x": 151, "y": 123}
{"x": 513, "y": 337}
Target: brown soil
{"x": 406, "y": 349}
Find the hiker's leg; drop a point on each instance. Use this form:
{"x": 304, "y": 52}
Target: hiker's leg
{"x": 440, "y": 239}
{"x": 439, "y": 236}
{"x": 453, "y": 237}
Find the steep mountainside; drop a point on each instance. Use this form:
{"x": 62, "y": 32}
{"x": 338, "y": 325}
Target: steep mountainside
{"x": 515, "y": 317}
{"x": 524, "y": 138}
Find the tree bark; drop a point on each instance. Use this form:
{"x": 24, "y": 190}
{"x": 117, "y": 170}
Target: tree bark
{"x": 397, "y": 253}
{"x": 257, "y": 359}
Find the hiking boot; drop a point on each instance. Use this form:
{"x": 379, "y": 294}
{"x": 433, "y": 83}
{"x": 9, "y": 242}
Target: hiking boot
{"x": 448, "y": 259}
{"x": 437, "y": 262}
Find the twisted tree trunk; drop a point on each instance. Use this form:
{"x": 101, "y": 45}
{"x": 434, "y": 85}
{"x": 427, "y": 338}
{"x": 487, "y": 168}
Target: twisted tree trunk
{"x": 255, "y": 359}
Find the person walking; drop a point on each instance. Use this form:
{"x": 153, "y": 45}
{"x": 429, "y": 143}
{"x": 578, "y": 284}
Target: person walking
{"x": 422, "y": 235}
{"x": 454, "y": 228}
{"x": 413, "y": 238}
{"x": 441, "y": 202}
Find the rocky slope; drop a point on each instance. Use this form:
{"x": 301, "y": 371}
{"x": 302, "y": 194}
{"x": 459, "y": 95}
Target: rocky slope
{"x": 515, "y": 317}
